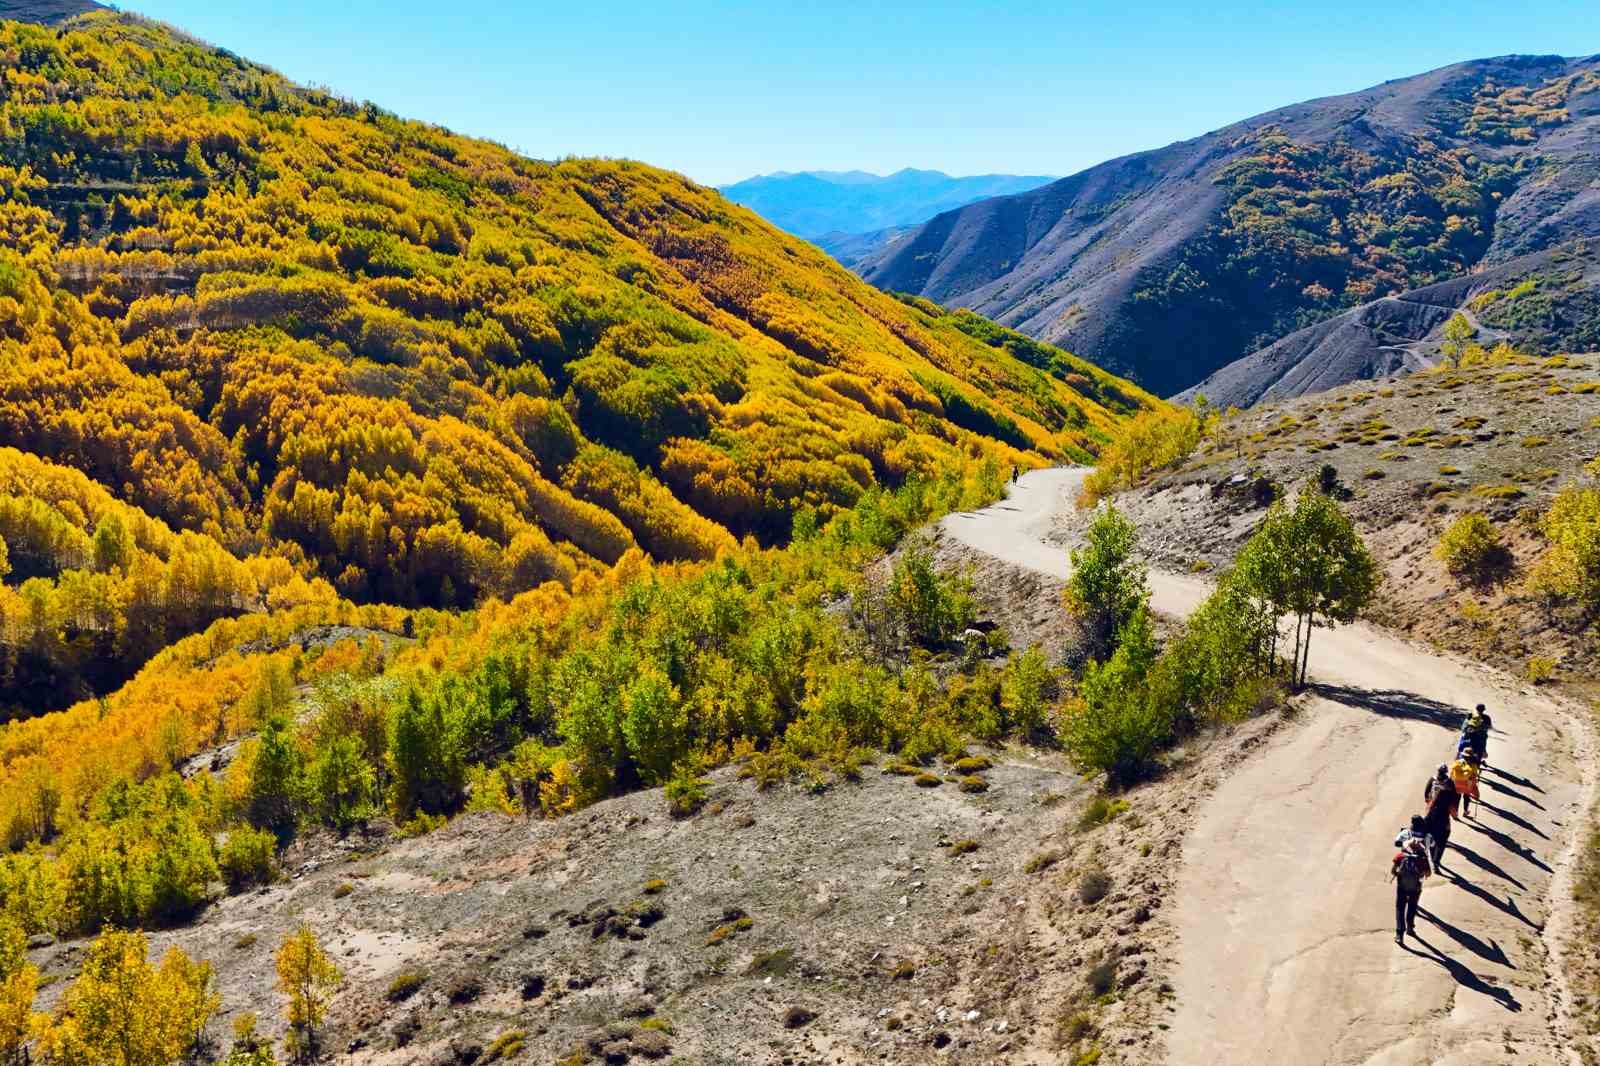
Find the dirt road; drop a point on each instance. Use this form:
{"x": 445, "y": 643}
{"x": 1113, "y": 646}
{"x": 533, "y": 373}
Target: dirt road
{"x": 1284, "y": 914}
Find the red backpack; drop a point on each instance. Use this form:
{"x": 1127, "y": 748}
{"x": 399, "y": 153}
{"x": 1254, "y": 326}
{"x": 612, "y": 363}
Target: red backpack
{"x": 1412, "y": 859}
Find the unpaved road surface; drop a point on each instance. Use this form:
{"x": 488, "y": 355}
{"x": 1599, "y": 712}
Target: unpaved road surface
{"x": 1285, "y": 916}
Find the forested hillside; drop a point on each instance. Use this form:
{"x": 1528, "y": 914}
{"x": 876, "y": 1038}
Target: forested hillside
{"x": 260, "y": 347}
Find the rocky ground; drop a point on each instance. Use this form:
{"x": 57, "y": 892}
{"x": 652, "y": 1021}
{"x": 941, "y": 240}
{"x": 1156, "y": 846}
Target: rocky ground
{"x": 882, "y": 920}
{"x": 1408, "y": 456}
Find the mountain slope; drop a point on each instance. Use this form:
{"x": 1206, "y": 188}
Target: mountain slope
{"x": 412, "y": 368}
{"x": 814, "y": 203}
{"x": 1169, "y": 264}
{"x": 1548, "y": 301}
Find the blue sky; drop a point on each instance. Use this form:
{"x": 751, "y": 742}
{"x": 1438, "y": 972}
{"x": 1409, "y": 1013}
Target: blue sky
{"x": 721, "y": 91}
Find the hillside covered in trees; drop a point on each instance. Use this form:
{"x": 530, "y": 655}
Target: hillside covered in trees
{"x": 261, "y": 347}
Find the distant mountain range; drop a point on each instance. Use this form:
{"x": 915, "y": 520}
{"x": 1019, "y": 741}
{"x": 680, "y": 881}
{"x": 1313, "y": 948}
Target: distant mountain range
{"x": 852, "y": 213}
{"x": 49, "y": 12}
{"x": 1328, "y": 231}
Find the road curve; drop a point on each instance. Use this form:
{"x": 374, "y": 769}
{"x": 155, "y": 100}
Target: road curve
{"x": 1285, "y": 916}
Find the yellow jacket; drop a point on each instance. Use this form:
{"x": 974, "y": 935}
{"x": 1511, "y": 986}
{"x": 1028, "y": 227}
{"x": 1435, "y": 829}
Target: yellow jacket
{"x": 1463, "y": 773}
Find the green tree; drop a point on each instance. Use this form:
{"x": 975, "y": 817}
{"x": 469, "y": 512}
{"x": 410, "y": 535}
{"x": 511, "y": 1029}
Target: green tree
{"x": 342, "y": 783}
{"x": 1114, "y": 726}
{"x": 655, "y": 723}
{"x": 113, "y": 548}
{"x": 425, "y": 756}
{"x": 927, "y": 606}
{"x": 1308, "y": 562}
{"x": 1027, "y": 692}
{"x": 1107, "y": 587}
{"x": 277, "y": 778}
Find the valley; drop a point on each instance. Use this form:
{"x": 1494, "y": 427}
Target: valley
{"x": 459, "y": 607}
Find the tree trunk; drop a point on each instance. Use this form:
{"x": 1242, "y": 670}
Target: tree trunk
{"x": 1305, "y": 661}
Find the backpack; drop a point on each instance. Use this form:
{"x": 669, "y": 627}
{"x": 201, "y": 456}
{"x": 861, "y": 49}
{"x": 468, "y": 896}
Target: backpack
{"x": 1412, "y": 860}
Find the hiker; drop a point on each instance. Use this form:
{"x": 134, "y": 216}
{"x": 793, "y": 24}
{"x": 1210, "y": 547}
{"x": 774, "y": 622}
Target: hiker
{"x": 1440, "y": 779}
{"x": 1464, "y": 775}
{"x": 1475, "y": 732}
{"x": 1015, "y": 473}
{"x": 1441, "y": 809}
{"x": 1410, "y": 865}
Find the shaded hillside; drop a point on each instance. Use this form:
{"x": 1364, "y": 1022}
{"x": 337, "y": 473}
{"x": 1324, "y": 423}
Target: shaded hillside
{"x": 814, "y": 203}
{"x": 421, "y": 369}
{"x": 1546, "y": 301}
{"x": 1169, "y": 264}
{"x": 48, "y": 12}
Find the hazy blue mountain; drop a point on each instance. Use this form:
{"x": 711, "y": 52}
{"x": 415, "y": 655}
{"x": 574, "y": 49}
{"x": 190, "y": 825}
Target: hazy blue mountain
{"x": 813, "y": 203}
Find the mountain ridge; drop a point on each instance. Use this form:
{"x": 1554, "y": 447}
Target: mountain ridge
{"x": 1156, "y": 252}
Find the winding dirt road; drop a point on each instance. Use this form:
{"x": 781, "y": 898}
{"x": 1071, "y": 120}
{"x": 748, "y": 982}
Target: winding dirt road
{"x": 1285, "y": 916}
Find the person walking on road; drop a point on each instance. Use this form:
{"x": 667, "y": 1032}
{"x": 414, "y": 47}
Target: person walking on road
{"x": 1442, "y": 803}
{"x": 1464, "y": 775}
{"x": 1410, "y": 865}
{"x": 1475, "y": 733}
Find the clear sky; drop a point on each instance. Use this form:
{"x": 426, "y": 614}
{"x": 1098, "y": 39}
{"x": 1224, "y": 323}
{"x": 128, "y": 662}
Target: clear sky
{"x": 721, "y": 91}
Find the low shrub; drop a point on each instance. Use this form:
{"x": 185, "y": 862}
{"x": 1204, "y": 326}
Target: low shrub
{"x": 972, "y": 764}
{"x": 1471, "y": 548}
{"x": 963, "y": 847}
{"x": 247, "y": 857}
{"x": 973, "y": 783}
{"x": 507, "y": 1045}
{"x": 1101, "y": 810}
{"x": 653, "y": 886}
{"x": 1041, "y": 861}
{"x": 1093, "y": 886}
{"x": 927, "y": 781}
{"x": 405, "y": 985}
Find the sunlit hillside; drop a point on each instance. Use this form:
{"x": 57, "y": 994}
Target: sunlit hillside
{"x": 300, "y": 348}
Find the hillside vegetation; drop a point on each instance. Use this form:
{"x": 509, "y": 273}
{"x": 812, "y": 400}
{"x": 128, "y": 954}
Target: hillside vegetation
{"x": 1170, "y": 264}
{"x": 355, "y": 475}
{"x": 261, "y": 346}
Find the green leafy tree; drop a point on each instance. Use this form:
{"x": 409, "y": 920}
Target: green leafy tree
{"x": 1028, "y": 690}
{"x": 928, "y": 607}
{"x": 1114, "y": 726}
{"x": 343, "y": 783}
{"x": 1108, "y": 586}
{"x": 1310, "y": 563}
{"x": 1471, "y": 548}
{"x": 425, "y": 756}
{"x": 655, "y": 723}
{"x": 113, "y": 548}
{"x": 277, "y": 778}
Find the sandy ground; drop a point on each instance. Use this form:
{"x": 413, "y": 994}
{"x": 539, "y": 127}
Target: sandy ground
{"x": 1284, "y": 914}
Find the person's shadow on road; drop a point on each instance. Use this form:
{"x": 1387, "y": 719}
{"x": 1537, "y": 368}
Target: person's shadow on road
{"x": 1515, "y": 819}
{"x": 1464, "y": 976}
{"x": 1510, "y": 845}
{"x": 1513, "y": 793}
{"x": 1489, "y": 952}
{"x": 1507, "y": 906}
{"x": 1486, "y": 865}
{"x": 1522, "y": 782}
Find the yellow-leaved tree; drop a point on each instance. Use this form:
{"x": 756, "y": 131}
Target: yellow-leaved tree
{"x": 309, "y": 978}
{"x": 19, "y": 981}
{"x": 122, "y": 1011}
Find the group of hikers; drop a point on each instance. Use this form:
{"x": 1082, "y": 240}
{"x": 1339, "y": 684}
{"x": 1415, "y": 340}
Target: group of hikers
{"x": 1448, "y": 796}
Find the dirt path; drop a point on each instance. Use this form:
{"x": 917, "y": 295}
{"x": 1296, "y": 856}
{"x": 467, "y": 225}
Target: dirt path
{"x": 1284, "y": 913}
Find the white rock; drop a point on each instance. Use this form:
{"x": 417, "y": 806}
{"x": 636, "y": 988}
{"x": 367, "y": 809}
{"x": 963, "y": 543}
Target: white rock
{"x": 972, "y": 1015}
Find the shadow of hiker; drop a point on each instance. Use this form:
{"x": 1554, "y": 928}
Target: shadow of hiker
{"x": 1510, "y": 845}
{"x": 1486, "y": 865}
{"x": 1465, "y": 977}
{"x": 1490, "y": 952}
{"x": 1507, "y": 906}
{"x": 1522, "y": 782}
{"x": 1513, "y": 793}
{"x": 1393, "y": 703}
{"x": 1514, "y": 819}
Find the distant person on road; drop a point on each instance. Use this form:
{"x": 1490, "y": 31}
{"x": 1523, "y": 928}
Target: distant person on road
{"x": 1464, "y": 774}
{"x": 1410, "y": 865}
{"x": 1475, "y": 733}
{"x": 1440, "y": 779}
{"x": 1436, "y": 821}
